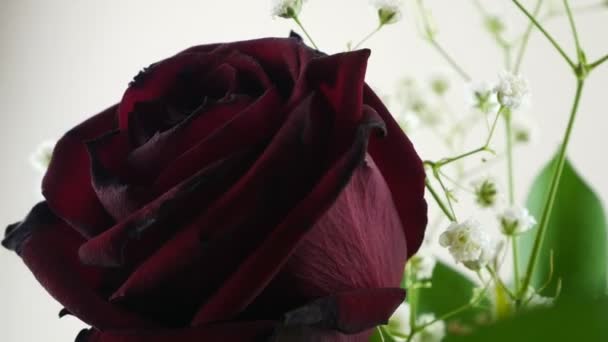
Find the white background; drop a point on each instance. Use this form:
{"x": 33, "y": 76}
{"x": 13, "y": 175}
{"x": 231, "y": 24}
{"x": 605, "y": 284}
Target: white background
{"x": 63, "y": 60}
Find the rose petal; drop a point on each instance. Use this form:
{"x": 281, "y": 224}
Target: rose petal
{"x": 112, "y": 181}
{"x": 149, "y": 159}
{"x": 144, "y": 230}
{"x": 283, "y": 59}
{"x": 271, "y": 253}
{"x": 404, "y": 175}
{"x": 358, "y": 243}
{"x": 229, "y": 332}
{"x": 348, "y": 312}
{"x": 67, "y": 183}
{"x": 264, "y": 114}
{"x": 49, "y": 248}
{"x": 160, "y": 80}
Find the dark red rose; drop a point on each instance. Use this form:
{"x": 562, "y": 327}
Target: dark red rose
{"x": 249, "y": 191}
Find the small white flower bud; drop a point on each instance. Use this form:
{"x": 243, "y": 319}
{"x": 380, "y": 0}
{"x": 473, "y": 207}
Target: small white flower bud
{"x": 432, "y": 333}
{"x": 512, "y": 90}
{"x": 468, "y": 244}
{"x": 41, "y": 158}
{"x": 515, "y": 220}
{"x": 422, "y": 265}
{"x": 286, "y": 8}
{"x": 399, "y": 322}
{"x": 389, "y": 11}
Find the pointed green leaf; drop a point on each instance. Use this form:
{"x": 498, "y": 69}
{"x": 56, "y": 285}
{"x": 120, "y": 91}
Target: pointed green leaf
{"x": 450, "y": 290}
{"x": 576, "y": 234}
{"x": 568, "y": 321}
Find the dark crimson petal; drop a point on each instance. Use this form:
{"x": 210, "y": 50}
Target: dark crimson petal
{"x": 259, "y": 267}
{"x": 67, "y": 184}
{"x": 160, "y": 79}
{"x": 144, "y": 230}
{"x": 49, "y": 248}
{"x": 358, "y": 243}
{"x": 111, "y": 180}
{"x": 158, "y": 153}
{"x": 264, "y": 114}
{"x": 347, "y": 316}
{"x": 224, "y": 332}
{"x": 404, "y": 174}
{"x": 283, "y": 59}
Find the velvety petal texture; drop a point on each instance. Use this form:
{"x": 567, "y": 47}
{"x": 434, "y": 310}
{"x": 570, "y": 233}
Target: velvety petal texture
{"x": 246, "y": 191}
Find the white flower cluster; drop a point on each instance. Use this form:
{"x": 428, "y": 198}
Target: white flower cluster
{"x": 286, "y": 8}
{"x": 515, "y": 220}
{"x": 422, "y": 265}
{"x": 468, "y": 244}
{"x": 512, "y": 90}
{"x": 389, "y": 11}
{"x": 41, "y": 158}
{"x": 400, "y": 324}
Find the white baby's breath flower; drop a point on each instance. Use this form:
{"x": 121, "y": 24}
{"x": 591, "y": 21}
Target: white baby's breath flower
{"x": 534, "y": 300}
{"x": 537, "y": 301}
{"x": 481, "y": 95}
{"x": 432, "y": 333}
{"x": 286, "y": 8}
{"x": 515, "y": 220}
{"x": 512, "y": 90}
{"x": 400, "y": 320}
{"x": 41, "y": 157}
{"x": 468, "y": 244}
{"x": 422, "y": 265}
{"x": 389, "y": 11}
{"x": 399, "y": 323}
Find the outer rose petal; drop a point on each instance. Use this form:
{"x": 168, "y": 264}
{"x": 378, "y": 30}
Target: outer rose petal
{"x": 357, "y": 244}
{"x": 226, "y": 332}
{"x": 49, "y": 248}
{"x": 403, "y": 171}
{"x": 67, "y": 183}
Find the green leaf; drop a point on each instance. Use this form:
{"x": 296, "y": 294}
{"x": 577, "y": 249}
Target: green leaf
{"x": 568, "y": 321}
{"x": 576, "y": 234}
{"x": 450, "y": 290}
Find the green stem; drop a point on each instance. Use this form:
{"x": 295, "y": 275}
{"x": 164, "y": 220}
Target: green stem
{"x": 380, "y": 333}
{"x": 459, "y": 70}
{"x": 447, "y": 161}
{"x": 524, "y": 44}
{"x": 515, "y": 263}
{"x": 297, "y": 20}
{"x": 509, "y": 125}
{"x": 547, "y": 35}
{"x": 446, "y": 192}
{"x": 442, "y": 205}
{"x": 553, "y": 188}
{"x": 510, "y": 175}
{"x": 573, "y": 27}
{"x": 371, "y": 34}
{"x": 597, "y": 63}
{"x": 452, "y": 313}
{"x": 493, "y": 128}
